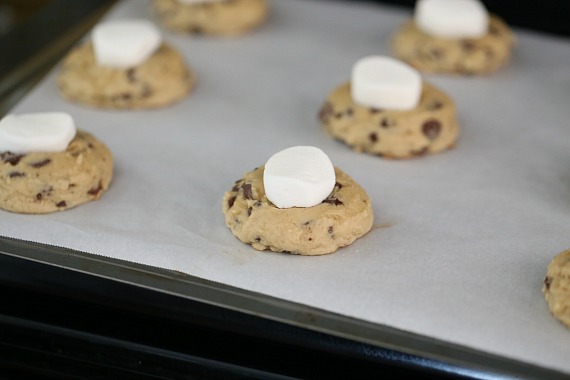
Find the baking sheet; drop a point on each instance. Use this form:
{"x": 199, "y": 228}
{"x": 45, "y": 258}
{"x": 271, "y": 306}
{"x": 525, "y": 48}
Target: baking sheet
{"x": 461, "y": 240}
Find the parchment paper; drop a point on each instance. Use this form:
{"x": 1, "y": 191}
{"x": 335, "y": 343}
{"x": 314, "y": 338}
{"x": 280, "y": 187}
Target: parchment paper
{"x": 461, "y": 239}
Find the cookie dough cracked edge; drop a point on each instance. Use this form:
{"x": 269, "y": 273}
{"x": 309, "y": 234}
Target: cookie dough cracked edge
{"x": 466, "y": 56}
{"x": 344, "y": 216}
{"x": 163, "y": 79}
{"x": 429, "y": 128}
{"x": 39, "y": 183}
{"x": 224, "y": 18}
{"x": 556, "y": 288}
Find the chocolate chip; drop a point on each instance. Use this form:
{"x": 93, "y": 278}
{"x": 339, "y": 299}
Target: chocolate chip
{"x": 467, "y": 45}
{"x": 39, "y": 164}
{"x": 94, "y": 191}
{"x": 247, "y": 192}
{"x": 61, "y": 204}
{"x": 349, "y": 112}
{"x": 434, "y": 105}
{"x": 330, "y": 230}
{"x": 386, "y": 123}
{"x": 436, "y": 53}
{"x": 338, "y": 115}
{"x": 11, "y": 158}
{"x": 146, "y": 91}
{"x": 44, "y": 193}
{"x": 231, "y": 201}
{"x": 16, "y": 174}
{"x": 257, "y": 204}
{"x": 130, "y": 73}
{"x": 90, "y": 146}
{"x": 431, "y": 129}
{"x": 258, "y": 239}
{"x": 326, "y": 111}
{"x": 195, "y": 30}
{"x": 306, "y": 223}
{"x": 373, "y": 137}
{"x": 547, "y": 282}
{"x": 333, "y": 201}
{"x": 249, "y": 211}
{"x": 338, "y": 185}
{"x": 310, "y": 239}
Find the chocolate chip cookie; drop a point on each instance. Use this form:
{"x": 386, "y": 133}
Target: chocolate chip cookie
{"x": 161, "y": 80}
{"x": 222, "y": 18}
{"x": 431, "y": 127}
{"x": 468, "y": 56}
{"x": 39, "y": 183}
{"x": 344, "y": 216}
{"x": 556, "y": 288}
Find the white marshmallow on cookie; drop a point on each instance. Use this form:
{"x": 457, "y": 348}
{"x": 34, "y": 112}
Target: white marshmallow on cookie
{"x": 300, "y": 176}
{"x": 36, "y": 132}
{"x": 452, "y": 19}
{"x": 126, "y": 43}
{"x": 385, "y": 83}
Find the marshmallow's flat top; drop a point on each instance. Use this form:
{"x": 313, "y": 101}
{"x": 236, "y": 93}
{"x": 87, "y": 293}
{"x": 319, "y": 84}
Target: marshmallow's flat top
{"x": 385, "y": 82}
{"x": 126, "y": 43}
{"x": 452, "y": 18}
{"x": 36, "y": 132}
{"x": 300, "y": 176}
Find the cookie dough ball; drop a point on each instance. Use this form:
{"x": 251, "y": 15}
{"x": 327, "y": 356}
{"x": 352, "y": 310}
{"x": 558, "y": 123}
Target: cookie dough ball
{"x": 342, "y": 217}
{"x": 556, "y": 287}
{"x": 428, "y": 127}
{"x": 433, "y": 53}
{"x": 218, "y": 17}
{"x": 44, "y": 182}
{"x": 161, "y": 80}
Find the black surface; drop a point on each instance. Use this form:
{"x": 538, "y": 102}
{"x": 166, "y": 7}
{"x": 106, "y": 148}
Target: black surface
{"x": 65, "y": 324}
{"x": 549, "y": 16}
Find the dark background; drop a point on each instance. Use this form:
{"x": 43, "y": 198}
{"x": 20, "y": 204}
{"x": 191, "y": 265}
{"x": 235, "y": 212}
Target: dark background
{"x": 550, "y": 16}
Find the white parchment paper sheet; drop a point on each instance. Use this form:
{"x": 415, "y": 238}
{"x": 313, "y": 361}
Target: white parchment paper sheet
{"x": 461, "y": 239}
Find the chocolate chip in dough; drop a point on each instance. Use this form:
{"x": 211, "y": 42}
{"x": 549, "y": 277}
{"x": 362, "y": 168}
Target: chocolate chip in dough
{"x": 11, "y": 158}
{"x": 431, "y": 129}
{"x": 247, "y": 192}
{"x": 40, "y": 164}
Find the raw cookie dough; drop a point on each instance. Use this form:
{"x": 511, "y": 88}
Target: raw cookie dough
{"x": 223, "y": 18}
{"x": 431, "y": 127}
{"x": 556, "y": 287}
{"x": 161, "y": 80}
{"x": 43, "y": 182}
{"x": 340, "y": 219}
{"x": 467, "y": 56}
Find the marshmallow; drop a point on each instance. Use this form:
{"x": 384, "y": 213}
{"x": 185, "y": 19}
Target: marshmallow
{"x": 126, "y": 43}
{"x": 384, "y": 82}
{"x": 301, "y": 176}
{"x": 36, "y": 132}
{"x": 452, "y": 18}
